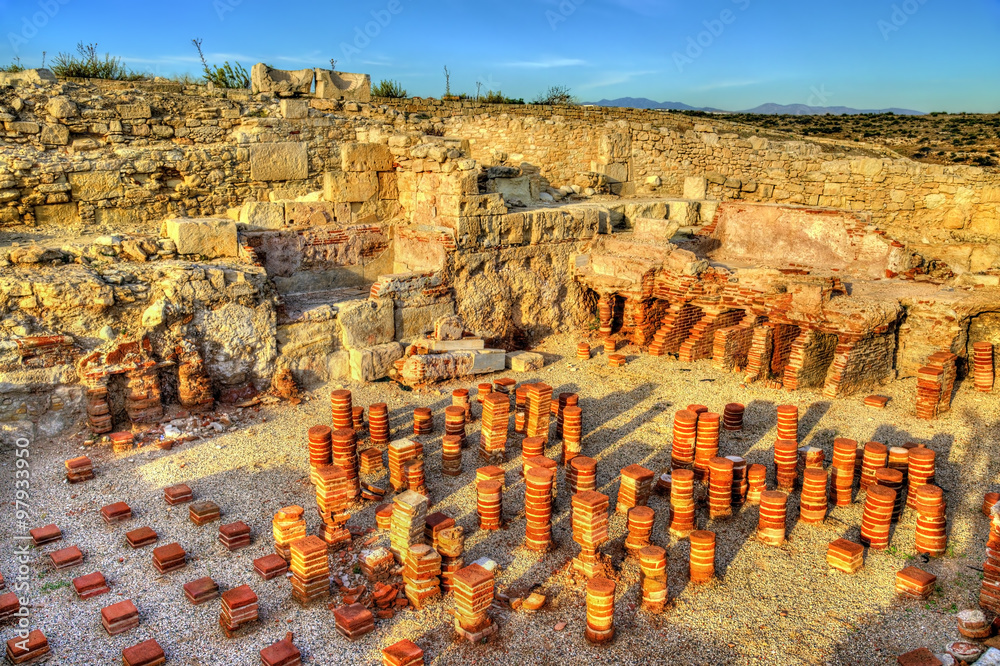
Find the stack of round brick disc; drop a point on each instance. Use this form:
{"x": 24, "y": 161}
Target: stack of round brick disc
{"x": 489, "y": 504}
{"x": 720, "y": 488}
{"x": 493, "y": 436}
{"x": 786, "y": 457}
{"x": 483, "y": 390}
{"x": 610, "y": 346}
{"x": 345, "y": 455}
{"x": 343, "y": 410}
{"x": 920, "y": 471}
{"x": 653, "y": 561}
{"x": 423, "y": 421}
{"x": 538, "y": 509}
{"x": 773, "y": 517}
{"x": 741, "y": 482}
{"x": 590, "y": 530}
{"x": 572, "y": 433}
{"x": 581, "y": 474}
{"x": 600, "y": 610}
{"x": 813, "y": 503}
{"x": 875, "y": 458}
{"x": 640, "y": 528}
{"x": 583, "y": 351}
{"x": 287, "y": 526}
{"x": 788, "y": 422}
{"x": 876, "y": 521}
{"x": 732, "y": 417}
{"x": 547, "y": 463}
{"x": 932, "y": 525}
{"x": 845, "y": 452}
{"x": 706, "y": 443}
{"x": 415, "y": 480}
{"x": 982, "y": 366}
{"x": 756, "y": 483}
{"x": 400, "y": 451}
{"x": 899, "y": 458}
{"x": 451, "y": 455}
{"x": 358, "y": 418}
{"x": 697, "y": 409}
{"x": 565, "y": 400}
{"x": 532, "y": 446}
{"x": 893, "y": 480}
{"x": 685, "y": 435}
{"x": 505, "y": 385}
{"x": 605, "y": 314}
{"x": 460, "y": 398}
{"x": 702, "y": 556}
{"x": 617, "y": 360}
{"x": 378, "y": 423}
{"x": 454, "y": 422}
{"x": 682, "y": 502}
{"x": 989, "y": 500}
{"x": 810, "y": 456}
{"x": 635, "y": 488}
{"x": 320, "y": 449}
{"x": 520, "y": 409}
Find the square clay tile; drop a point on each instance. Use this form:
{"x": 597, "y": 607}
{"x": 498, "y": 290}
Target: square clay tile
{"x": 239, "y": 597}
{"x": 147, "y": 653}
{"x": 280, "y": 653}
{"x": 169, "y": 553}
{"x": 847, "y": 548}
{"x": 352, "y": 616}
{"x": 916, "y": 577}
{"x": 119, "y": 612}
{"x": 9, "y": 603}
{"x": 91, "y": 585}
{"x": 18, "y": 650}
{"x": 202, "y": 589}
{"x": 67, "y": 557}
{"x": 403, "y": 652}
{"x": 234, "y": 530}
{"x": 118, "y": 511}
{"x": 141, "y": 537}
{"x": 47, "y": 534}
{"x": 270, "y": 566}
{"x": 473, "y": 576}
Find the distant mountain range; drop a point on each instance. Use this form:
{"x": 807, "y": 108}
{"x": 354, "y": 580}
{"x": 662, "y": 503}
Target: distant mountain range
{"x": 765, "y": 109}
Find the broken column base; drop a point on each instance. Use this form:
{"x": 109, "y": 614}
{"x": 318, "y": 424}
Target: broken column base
{"x": 335, "y": 536}
{"x": 478, "y": 636}
{"x": 599, "y": 637}
{"x": 591, "y": 565}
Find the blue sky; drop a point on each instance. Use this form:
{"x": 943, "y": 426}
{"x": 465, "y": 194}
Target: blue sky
{"x": 732, "y": 54}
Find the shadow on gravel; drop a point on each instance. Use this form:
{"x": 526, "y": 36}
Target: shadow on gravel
{"x": 811, "y": 419}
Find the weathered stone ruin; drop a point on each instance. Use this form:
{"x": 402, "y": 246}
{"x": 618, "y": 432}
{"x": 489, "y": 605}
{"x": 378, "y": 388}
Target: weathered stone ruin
{"x": 171, "y": 244}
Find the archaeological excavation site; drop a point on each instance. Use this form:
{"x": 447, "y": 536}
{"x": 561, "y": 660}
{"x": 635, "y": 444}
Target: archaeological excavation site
{"x": 298, "y": 374}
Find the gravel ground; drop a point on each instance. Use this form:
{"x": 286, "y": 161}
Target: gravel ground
{"x": 767, "y": 606}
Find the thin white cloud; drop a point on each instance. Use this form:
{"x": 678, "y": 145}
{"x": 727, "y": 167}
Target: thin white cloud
{"x": 615, "y": 79}
{"x": 721, "y": 85}
{"x": 546, "y": 63}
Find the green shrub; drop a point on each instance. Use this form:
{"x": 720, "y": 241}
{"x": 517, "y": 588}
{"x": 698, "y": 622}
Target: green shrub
{"x": 556, "y": 95}
{"x": 14, "y": 67}
{"x": 226, "y": 76}
{"x": 87, "y": 64}
{"x": 499, "y": 98}
{"x": 387, "y": 88}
